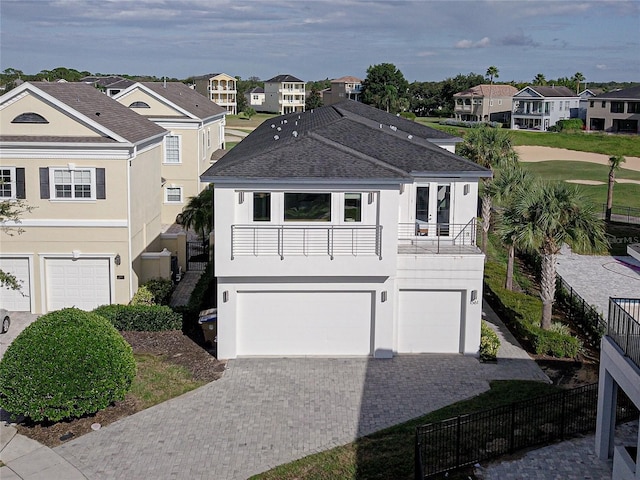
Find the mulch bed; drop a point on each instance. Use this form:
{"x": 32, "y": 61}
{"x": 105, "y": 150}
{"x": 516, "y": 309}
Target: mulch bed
{"x": 173, "y": 346}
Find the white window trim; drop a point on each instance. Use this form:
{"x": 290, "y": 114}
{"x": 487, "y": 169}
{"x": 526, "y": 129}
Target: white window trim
{"x": 164, "y": 160}
{"x": 166, "y": 194}
{"x": 69, "y": 168}
{"x": 12, "y": 183}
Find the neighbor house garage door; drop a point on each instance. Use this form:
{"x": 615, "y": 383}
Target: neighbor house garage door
{"x": 304, "y": 323}
{"x": 16, "y": 300}
{"x": 429, "y": 321}
{"x": 83, "y": 283}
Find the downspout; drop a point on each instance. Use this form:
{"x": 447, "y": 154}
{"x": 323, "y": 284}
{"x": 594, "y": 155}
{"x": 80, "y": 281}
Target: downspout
{"x": 131, "y": 157}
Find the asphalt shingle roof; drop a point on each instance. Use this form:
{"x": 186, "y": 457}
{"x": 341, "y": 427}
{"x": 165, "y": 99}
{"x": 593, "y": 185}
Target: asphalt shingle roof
{"x": 631, "y": 93}
{"x": 283, "y": 78}
{"x": 553, "y": 91}
{"x": 346, "y": 140}
{"x": 186, "y": 98}
{"x": 100, "y": 108}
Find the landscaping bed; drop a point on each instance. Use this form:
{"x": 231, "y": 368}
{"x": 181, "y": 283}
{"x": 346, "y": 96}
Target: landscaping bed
{"x": 169, "y": 354}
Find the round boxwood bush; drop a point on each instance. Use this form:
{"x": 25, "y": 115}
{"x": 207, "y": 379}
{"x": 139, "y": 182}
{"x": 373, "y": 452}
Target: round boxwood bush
{"x": 66, "y": 364}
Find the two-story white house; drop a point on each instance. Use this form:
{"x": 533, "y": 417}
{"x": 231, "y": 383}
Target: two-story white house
{"x": 196, "y": 136}
{"x": 90, "y": 168}
{"x": 540, "y": 107}
{"x": 220, "y": 88}
{"x": 346, "y": 231}
{"x": 283, "y": 94}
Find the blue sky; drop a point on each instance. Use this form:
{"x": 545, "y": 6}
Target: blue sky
{"x": 427, "y": 40}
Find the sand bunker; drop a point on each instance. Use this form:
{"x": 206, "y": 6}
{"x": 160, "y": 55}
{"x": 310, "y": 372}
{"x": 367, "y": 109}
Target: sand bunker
{"x": 531, "y": 153}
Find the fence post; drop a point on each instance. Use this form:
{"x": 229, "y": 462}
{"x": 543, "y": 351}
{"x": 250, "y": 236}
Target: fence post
{"x": 458, "y": 433}
{"x": 562, "y": 422}
{"x": 418, "y": 469}
{"x": 512, "y": 436}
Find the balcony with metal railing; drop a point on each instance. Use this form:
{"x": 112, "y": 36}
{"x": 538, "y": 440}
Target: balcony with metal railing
{"x": 423, "y": 238}
{"x": 624, "y": 326}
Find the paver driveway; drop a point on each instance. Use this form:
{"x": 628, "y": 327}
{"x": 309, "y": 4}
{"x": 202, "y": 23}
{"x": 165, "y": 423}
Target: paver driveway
{"x": 265, "y": 412}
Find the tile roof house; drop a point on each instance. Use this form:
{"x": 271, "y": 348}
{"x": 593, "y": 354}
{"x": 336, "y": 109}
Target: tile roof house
{"x": 540, "y": 107}
{"x": 284, "y": 94}
{"x": 346, "y": 230}
{"x": 196, "y": 133}
{"x": 615, "y": 112}
{"x": 484, "y": 103}
{"x": 343, "y": 88}
{"x": 90, "y": 167}
{"x": 220, "y": 88}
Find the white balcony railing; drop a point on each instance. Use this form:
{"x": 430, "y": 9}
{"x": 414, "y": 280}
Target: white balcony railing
{"x": 308, "y": 240}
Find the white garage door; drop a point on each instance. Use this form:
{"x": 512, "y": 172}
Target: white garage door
{"x": 429, "y": 321}
{"x": 304, "y": 323}
{"x": 16, "y": 300}
{"x": 82, "y": 283}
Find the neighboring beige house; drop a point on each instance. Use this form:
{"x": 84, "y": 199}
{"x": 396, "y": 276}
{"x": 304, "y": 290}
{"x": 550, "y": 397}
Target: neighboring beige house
{"x": 255, "y": 98}
{"x": 196, "y": 133}
{"x": 343, "y": 88}
{"x": 615, "y": 112}
{"x": 91, "y": 170}
{"x": 284, "y": 94}
{"x": 220, "y": 88}
{"x": 484, "y": 103}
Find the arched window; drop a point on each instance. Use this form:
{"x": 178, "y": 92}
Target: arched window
{"x": 139, "y": 105}
{"x": 29, "y": 117}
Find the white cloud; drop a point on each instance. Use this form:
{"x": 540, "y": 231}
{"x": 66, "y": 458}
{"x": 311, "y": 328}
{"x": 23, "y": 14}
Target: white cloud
{"x": 482, "y": 43}
{"x": 601, "y": 66}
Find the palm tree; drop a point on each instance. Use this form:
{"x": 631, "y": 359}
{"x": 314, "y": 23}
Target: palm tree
{"x": 539, "y": 79}
{"x": 198, "y": 213}
{"x": 489, "y": 147}
{"x": 510, "y": 182}
{"x": 578, "y": 78}
{"x": 542, "y": 219}
{"x": 492, "y": 72}
{"x": 614, "y": 165}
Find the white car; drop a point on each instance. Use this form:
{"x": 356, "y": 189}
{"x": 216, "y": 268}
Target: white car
{"x": 6, "y": 321}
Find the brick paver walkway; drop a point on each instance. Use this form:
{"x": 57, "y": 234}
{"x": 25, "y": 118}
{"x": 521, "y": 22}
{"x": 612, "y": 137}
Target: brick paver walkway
{"x": 265, "y": 412}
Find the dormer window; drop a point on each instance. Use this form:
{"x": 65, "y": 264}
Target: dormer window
{"x": 139, "y": 105}
{"x": 29, "y": 117}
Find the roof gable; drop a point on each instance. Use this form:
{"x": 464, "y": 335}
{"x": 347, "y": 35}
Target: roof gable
{"x": 542, "y": 91}
{"x": 284, "y": 78}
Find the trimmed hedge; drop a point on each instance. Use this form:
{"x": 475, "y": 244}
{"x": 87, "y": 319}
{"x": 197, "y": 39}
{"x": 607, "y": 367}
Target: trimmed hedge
{"x": 161, "y": 289}
{"x": 489, "y": 342}
{"x": 523, "y": 313}
{"x": 66, "y": 364}
{"x": 141, "y": 318}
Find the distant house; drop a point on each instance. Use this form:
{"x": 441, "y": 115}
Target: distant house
{"x": 255, "y": 98}
{"x": 284, "y": 94}
{"x": 220, "y": 88}
{"x": 540, "y": 107}
{"x": 484, "y": 103}
{"x": 91, "y": 168}
{"x": 615, "y": 112}
{"x": 196, "y": 134}
{"x": 343, "y": 88}
{"x": 111, "y": 85}
{"x": 346, "y": 230}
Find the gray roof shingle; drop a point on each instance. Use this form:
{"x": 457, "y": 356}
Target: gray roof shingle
{"x": 631, "y": 93}
{"x": 186, "y": 98}
{"x": 283, "y": 78}
{"x": 343, "y": 141}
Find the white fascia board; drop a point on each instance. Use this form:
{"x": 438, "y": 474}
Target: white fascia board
{"x": 173, "y": 124}
{"x": 244, "y": 184}
{"x": 215, "y": 118}
{"x": 453, "y": 175}
{"x": 45, "y": 150}
{"x": 67, "y": 222}
{"x": 158, "y": 97}
{"x": 72, "y": 112}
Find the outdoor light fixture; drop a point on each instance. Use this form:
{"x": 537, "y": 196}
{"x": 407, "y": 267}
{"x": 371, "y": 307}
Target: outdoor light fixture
{"x": 474, "y": 296}
{"x": 117, "y": 260}
{"x": 225, "y": 296}
{"x": 370, "y": 199}
{"x": 383, "y": 296}
{"x": 467, "y": 188}
{"x": 241, "y": 198}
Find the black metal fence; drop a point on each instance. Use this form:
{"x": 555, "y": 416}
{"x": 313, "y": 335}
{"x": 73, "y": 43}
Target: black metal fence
{"x": 197, "y": 255}
{"x": 624, "y": 326}
{"x": 584, "y": 317}
{"x": 468, "y": 439}
{"x": 622, "y": 214}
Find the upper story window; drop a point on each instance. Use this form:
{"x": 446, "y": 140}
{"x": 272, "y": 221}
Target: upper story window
{"x": 173, "y": 195}
{"x": 261, "y": 206}
{"x": 172, "y": 149}
{"x": 617, "y": 107}
{"x": 352, "y": 207}
{"x": 591, "y": 103}
{"x": 7, "y": 183}
{"x": 633, "y": 107}
{"x": 307, "y": 207}
{"x": 566, "y": 105}
{"x": 73, "y": 184}
{"x": 560, "y": 105}
{"x": 139, "y": 105}
{"x": 29, "y": 117}
{"x": 604, "y": 103}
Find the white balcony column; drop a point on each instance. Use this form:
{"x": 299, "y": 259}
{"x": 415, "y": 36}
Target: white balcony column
{"x": 606, "y": 419}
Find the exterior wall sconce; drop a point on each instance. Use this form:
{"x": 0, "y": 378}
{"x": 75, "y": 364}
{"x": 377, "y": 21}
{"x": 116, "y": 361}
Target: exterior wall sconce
{"x": 467, "y": 188}
{"x": 117, "y": 259}
{"x": 370, "y": 198}
{"x": 474, "y": 297}
{"x": 225, "y": 296}
{"x": 383, "y": 296}
{"x": 241, "y": 198}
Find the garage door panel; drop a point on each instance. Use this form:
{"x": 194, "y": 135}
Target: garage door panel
{"x": 82, "y": 283}
{"x": 16, "y": 300}
{"x": 429, "y": 321}
{"x": 304, "y": 323}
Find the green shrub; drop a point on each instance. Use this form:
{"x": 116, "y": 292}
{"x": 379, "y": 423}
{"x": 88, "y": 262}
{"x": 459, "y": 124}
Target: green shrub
{"x": 489, "y": 342}
{"x": 143, "y": 297}
{"x": 408, "y": 115}
{"x": 66, "y": 364}
{"x": 548, "y": 342}
{"x": 161, "y": 288}
{"x": 141, "y": 318}
{"x": 568, "y": 125}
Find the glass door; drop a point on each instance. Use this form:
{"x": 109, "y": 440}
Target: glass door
{"x": 422, "y": 211}
{"x": 443, "y": 205}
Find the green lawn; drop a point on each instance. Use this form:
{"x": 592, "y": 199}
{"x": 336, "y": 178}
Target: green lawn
{"x": 390, "y": 452}
{"x": 240, "y": 121}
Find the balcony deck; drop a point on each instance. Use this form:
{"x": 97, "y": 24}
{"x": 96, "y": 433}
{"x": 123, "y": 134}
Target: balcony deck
{"x": 623, "y": 326}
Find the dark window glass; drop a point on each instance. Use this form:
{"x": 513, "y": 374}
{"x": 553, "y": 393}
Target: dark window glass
{"x": 139, "y": 105}
{"x": 633, "y": 107}
{"x": 617, "y": 107}
{"x": 310, "y": 207}
{"x": 29, "y": 117}
{"x": 352, "y": 207}
{"x": 262, "y": 207}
